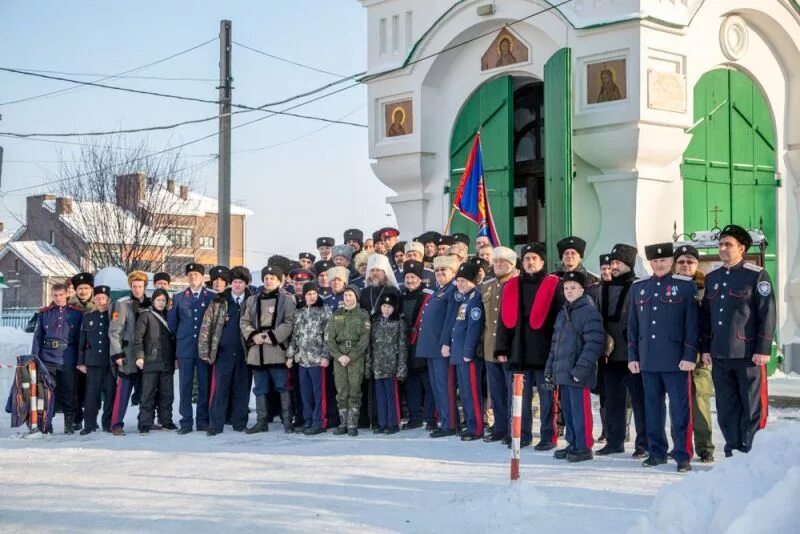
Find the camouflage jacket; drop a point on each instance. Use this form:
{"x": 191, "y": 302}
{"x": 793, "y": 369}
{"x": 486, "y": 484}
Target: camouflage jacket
{"x": 348, "y": 333}
{"x": 214, "y": 319}
{"x": 308, "y": 346}
{"x": 388, "y": 354}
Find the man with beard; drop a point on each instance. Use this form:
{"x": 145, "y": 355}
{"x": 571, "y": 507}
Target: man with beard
{"x": 619, "y": 382}
{"x": 529, "y": 305}
{"x": 504, "y": 260}
{"x": 380, "y": 281}
{"x": 122, "y": 334}
{"x": 415, "y": 251}
{"x": 419, "y": 395}
{"x": 429, "y": 240}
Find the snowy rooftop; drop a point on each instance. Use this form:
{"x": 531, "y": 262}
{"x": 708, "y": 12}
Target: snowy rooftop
{"x": 106, "y": 222}
{"x": 42, "y": 257}
{"x": 161, "y": 200}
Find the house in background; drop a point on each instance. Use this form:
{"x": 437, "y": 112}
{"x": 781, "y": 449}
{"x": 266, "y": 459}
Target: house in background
{"x": 30, "y": 268}
{"x": 170, "y": 225}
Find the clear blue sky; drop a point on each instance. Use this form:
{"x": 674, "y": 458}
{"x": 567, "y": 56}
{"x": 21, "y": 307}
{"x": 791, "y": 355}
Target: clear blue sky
{"x": 318, "y": 185}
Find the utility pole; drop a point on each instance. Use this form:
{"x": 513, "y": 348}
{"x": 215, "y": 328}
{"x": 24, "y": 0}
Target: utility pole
{"x": 224, "y": 194}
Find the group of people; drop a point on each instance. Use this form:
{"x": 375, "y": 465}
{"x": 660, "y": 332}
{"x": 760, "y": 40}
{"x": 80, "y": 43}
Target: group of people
{"x": 422, "y": 325}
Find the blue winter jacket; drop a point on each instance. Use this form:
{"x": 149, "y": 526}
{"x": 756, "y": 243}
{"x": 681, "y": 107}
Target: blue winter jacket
{"x": 436, "y": 325}
{"x": 578, "y": 340}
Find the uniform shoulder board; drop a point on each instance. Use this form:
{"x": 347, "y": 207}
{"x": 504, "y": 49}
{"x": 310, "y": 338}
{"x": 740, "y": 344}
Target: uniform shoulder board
{"x": 682, "y": 277}
{"x": 75, "y": 308}
{"x": 124, "y": 299}
{"x": 427, "y": 291}
{"x": 753, "y": 267}
{"x": 643, "y": 279}
{"x": 41, "y": 310}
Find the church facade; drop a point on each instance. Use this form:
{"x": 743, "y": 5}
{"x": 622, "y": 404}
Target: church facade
{"x": 632, "y": 121}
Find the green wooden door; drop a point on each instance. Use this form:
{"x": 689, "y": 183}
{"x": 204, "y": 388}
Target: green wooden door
{"x": 729, "y": 166}
{"x": 557, "y": 151}
{"x": 490, "y": 109}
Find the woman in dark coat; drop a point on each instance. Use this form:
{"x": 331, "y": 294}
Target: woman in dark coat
{"x": 155, "y": 357}
{"x": 578, "y": 340}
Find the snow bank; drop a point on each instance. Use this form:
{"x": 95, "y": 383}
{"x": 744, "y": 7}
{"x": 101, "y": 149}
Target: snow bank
{"x": 756, "y": 492}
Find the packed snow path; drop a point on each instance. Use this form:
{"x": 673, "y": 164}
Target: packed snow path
{"x": 407, "y": 483}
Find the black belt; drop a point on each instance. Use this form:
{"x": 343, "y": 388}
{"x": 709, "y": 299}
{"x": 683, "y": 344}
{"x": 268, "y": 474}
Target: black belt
{"x": 54, "y": 343}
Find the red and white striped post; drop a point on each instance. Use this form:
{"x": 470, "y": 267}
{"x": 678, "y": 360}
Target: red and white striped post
{"x": 34, "y": 408}
{"x": 516, "y": 424}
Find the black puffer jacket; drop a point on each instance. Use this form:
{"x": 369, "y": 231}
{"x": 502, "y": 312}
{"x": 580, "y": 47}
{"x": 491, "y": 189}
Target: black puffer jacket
{"x": 154, "y": 342}
{"x": 578, "y": 340}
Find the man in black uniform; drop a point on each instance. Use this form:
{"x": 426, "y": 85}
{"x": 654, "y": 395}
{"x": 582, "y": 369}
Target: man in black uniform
{"x": 737, "y": 320}
{"x": 94, "y": 361}
{"x": 618, "y": 380}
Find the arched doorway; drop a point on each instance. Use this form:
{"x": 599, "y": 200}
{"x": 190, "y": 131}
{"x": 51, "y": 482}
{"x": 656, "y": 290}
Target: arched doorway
{"x": 529, "y": 182}
{"x": 729, "y": 166}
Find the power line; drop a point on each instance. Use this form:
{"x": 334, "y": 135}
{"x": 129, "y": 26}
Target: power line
{"x": 168, "y": 149}
{"x": 148, "y": 65}
{"x": 295, "y": 63}
{"x": 168, "y": 95}
{"x": 288, "y": 141}
{"x": 130, "y": 76}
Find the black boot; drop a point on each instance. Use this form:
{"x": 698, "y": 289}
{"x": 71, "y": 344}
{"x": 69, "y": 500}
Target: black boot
{"x": 342, "y": 428}
{"x": 352, "y": 422}
{"x": 261, "y": 416}
{"x": 286, "y": 412}
{"x": 69, "y": 427}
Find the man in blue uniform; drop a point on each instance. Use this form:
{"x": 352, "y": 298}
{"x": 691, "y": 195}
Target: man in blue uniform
{"x": 738, "y": 322}
{"x": 464, "y": 343}
{"x": 55, "y": 342}
{"x": 94, "y": 361}
{"x": 433, "y": 343}
{"x": 662, "y": 345}
{"x": 415, "y": 251}
{"x": 221, "y": 345}
{"x": 321, "y": 272}
{"x": 185, "y": 318}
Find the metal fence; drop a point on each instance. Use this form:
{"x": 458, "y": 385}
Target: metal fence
{"x": 16, "y": 317}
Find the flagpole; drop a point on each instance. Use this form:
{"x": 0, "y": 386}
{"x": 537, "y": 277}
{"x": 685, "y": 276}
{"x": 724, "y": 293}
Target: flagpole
{"x": 450, "y": 220}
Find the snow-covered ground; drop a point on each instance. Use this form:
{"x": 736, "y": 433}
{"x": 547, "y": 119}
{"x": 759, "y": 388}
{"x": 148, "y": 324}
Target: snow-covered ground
{"x": 402, "y": 483}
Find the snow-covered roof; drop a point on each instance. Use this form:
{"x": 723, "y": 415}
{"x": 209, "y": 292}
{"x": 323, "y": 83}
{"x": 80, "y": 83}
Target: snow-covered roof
{"x": 42, "y": 257}
{"x": 106, "y": 222}
{"x": 160, "y": 200}
{"x": 6, "y": 235}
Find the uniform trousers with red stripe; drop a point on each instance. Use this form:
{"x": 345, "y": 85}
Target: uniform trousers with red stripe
{"x": 387, "y": 402}
{"x": 740, "y": 387}
{"x": 122, "y": 397}
{"x": 576, "y": 407}
{"x": 470, "y": 378}
{"x": 313, "y": 394}
{"x": 156, "y": 386}
{"x": 443, "y": 382}
{"x": 677, "y": 386}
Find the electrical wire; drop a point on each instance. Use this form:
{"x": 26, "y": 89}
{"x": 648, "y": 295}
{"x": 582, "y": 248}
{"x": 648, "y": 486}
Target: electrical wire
{"x": 129, "y": 76}
{"x": 295, "y": 63}
{"x": 148, "y": 65}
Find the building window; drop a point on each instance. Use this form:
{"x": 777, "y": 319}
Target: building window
{"x": 409, "y": 30}
{"x": 206, "y": 242}
{"x": 395, "y": 33}
{"x": 176, "y": 265}
{"x": 180, "y": 237}
{"x": 16, "y": 265}
{"x": 382, "y": 36}
{"x": 52, "y": 237}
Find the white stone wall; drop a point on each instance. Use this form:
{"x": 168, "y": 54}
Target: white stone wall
{"x": 627, "y": 155}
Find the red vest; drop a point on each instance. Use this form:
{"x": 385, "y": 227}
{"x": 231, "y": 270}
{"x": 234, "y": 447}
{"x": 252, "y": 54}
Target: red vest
{"x": 509, "y": 302}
